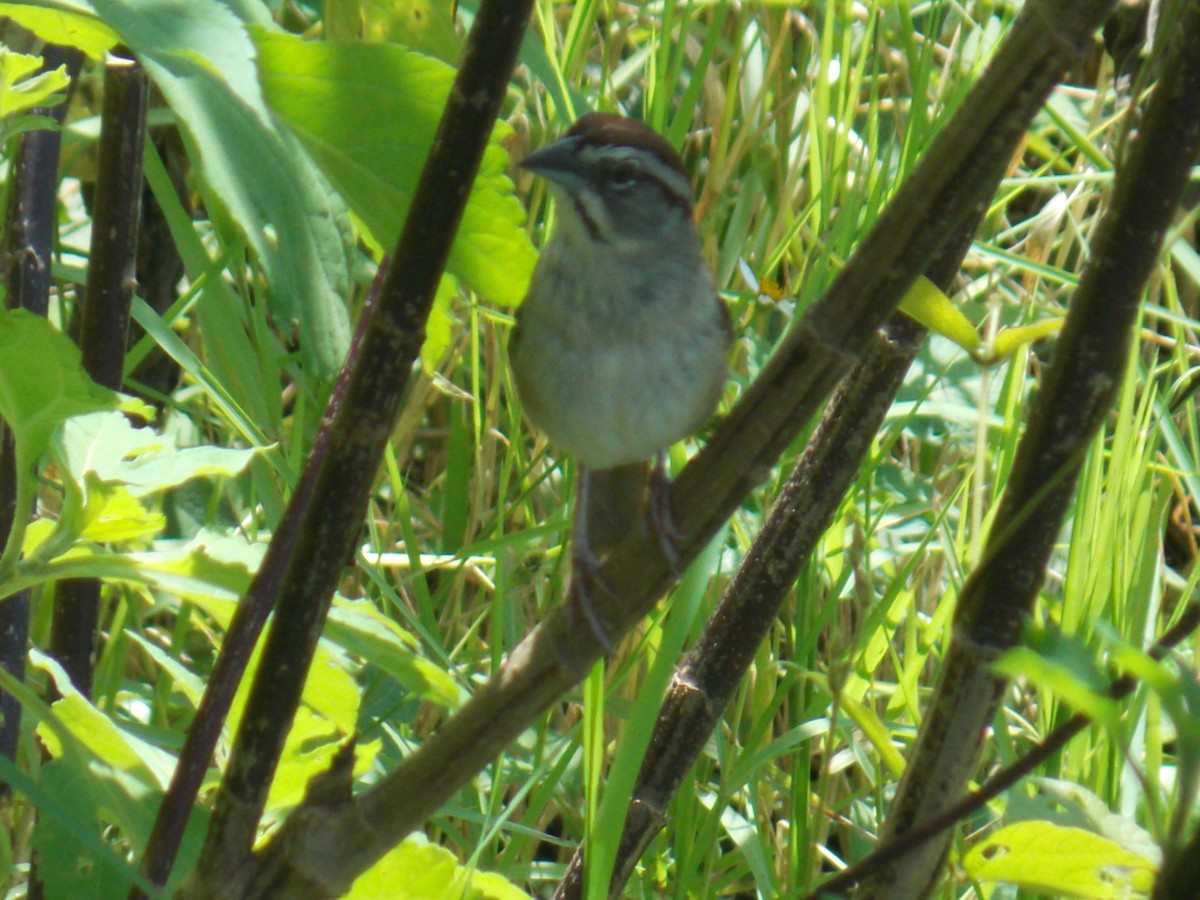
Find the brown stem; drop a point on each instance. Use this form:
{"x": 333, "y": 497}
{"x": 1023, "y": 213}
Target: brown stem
{"x": 105, "y": 318}
{"x": 357, "y": 431}
{"x": 29, "y": 232}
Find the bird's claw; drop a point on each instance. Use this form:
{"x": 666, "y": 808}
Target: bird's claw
{"x": 585, "y": 572}
{"x": 662, "y": 521}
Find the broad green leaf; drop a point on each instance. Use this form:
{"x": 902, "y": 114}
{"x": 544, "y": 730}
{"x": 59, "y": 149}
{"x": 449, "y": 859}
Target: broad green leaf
{"x": 69, "y": 29}
{"x": 439, "y": 330}
{"x": 110, "y": 778}
{"x": 23, "y": 87}
{"x": 210, "y": 570}
{"x": 142, "y": 768}
{"x": 36, "y": 534}
{"x": 362, "y": 629}
{"x": 426, "y": 26}
{"x": 310, "y": 747}
{"x": 22, "y": 124}
{"x": 213, "y": 572}
{"x": 77, "y": 804}
{"x": 201, "y": 58}
{"x": 367, "y": 113}
{"x": 113, "y": 515}
{"x": 327, "y": 716}
{"x": 107, "y": 446}
{"x": 72, "y": 866}
{"x": 1066, "y": 799}
{"x": 1064, "y": 862}
{"x": 42, "y": 383}
{"x": 419, "y": 870}
{"x": 107, "y": 464}
{"x": 197, "y": 570}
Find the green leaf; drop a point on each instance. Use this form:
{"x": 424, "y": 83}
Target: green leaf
{"x": 1008, "y": 341}
{"x": 111, "y": 779}
{"x": 362, "y": 629}
{"x": 441, "y": 321}
{"x": 327, "y": 716}
{"x": 69, "y": 29}
{"x": 6, "y": 855}
{"x": 107, "y": 446}
{"x": 367, "y": 113}
{"x": 143, "y": 769}
{"x": 22, "y": 124}
{"x": 1065, "y": 862}
{"x": 23, "y": 86}
{"x": 419, "y": 870}
{"x": 201, "y": 570}
{"x": 1063, "y": 679}
{"x": 1065, "y": 666}
{"x": 426, "y": 26}
{"x": 1068, "y": 803}
{"x": 201, "y": 58}
{"x": 926, "y": 303}
{"x": 213, "y": 572}
{"x": 183, "y": 679}
{"x": 107, "y": 464}
{"x": 210, "y": 570}
{"x": 113, "y": 515}
{"x": 42, "y": 383}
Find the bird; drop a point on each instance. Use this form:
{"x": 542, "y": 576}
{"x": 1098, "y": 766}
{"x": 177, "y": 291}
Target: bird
{"x": 621, "y": 346}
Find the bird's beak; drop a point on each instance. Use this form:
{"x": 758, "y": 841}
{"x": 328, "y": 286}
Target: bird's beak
{"x": 558, "y": 161}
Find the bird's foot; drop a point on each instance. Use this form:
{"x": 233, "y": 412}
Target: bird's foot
{"x": 658, "y": 511}
{"x": 586, "y": 575}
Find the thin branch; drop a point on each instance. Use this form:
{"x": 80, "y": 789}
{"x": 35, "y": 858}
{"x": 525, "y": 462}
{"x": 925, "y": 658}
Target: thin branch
{"x": 29, "y": 232}
{"x": 327, "y": 516}
{"x": 1000, "y": 782}
{"x": 105, "y": 317}
{"x": 117, "y": 213}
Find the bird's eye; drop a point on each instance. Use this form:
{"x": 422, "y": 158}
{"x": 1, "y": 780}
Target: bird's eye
{"x": 623, "y": 175}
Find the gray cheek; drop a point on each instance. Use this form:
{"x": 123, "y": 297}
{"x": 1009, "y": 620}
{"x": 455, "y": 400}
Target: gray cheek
{"x": 640, "y": 213}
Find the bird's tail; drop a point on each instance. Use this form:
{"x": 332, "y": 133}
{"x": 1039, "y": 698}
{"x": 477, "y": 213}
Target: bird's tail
{"x": 612, "y": 502}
